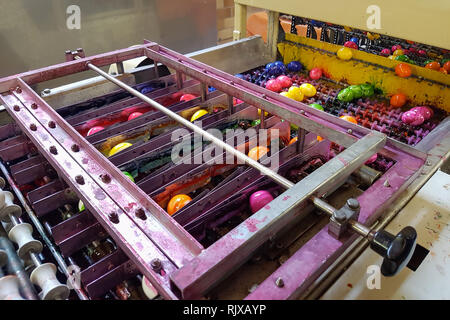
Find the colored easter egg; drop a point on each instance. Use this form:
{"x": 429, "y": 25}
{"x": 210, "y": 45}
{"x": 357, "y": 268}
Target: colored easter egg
{"x": 294, "y": 66}
{"x": 355, "y": 40}
{"x": 308, "y": 90}
{"x": 398, "y": 52}
{"x": 198, "y": 114}
{"x": 94, "y": 130}
{"x": 259, "y": 200}
{"x": 257, "y": 152}
{"x": 344, "y": 53}
{"x": 134, "y": 115}
{"x": 372, "y": 159}
{"x": 385, "y": 52}
{"x": 315, "y": 73}
{"x": 119, "y": 147}
{"x": 128, "y": 175}
{"x": 426, "y": 112}
{"x": 285, "y": 81}
{"x": 413, "y": 118}
{"x": 396, "y": 47}
{"x": 187, "y": 97}
{"x": 296, "y": 93}
{"x": 433, "y": 65}
{"x": 293, "y": 140}
{"x": 316, "y": 106}
{"x": 403, "y": 70}
{"x": 81, "y": 206}
{"x": 351, "y": 44}
{"x": 398, "y": 100}
{"x": 349, "y": 119}
{"x": 273, "y": 85}
{"x": 177, "y": 202}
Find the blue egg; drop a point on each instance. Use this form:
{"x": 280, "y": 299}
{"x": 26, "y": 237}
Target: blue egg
{"x": 278, "y": 63}
{"x": 240, "y": 76}
{"x": 269, "y": 65}
{"x": 355, "y": 40}
{"x": 211, "y": 89}
{"x": 294, "y": 66}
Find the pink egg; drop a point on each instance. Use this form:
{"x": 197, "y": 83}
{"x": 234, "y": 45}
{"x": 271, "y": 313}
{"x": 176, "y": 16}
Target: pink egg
{"x": 385, "y": 52}
{"x": 285, "y": 81}
{"x": 94, "y": 130}
{"x": 413, "y": 118}
{"x": 422, "y": 53}
{"x": 187, "y": 97}
{"x": 372, "y": 159}
{"x": 259, "y": 199}
{"x": 423, "y": 110}
{"x": 396, "y": 47}
{"x": 134, "y": 115}
{"x": 273, "y": 85}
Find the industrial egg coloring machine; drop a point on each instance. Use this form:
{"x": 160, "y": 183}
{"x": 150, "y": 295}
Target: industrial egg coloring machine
{"x": 94, "y": 207}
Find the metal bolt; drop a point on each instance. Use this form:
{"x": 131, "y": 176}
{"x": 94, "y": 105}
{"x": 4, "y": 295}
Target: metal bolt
{"x": 52, "y": 124}
{"x": 105, "y": 178}
{"x": 80, "y": 50}
{"x": 33, "y": 127}
{"x": 16, "y": 108}
{"x": 428, "y": 163}
{"x": 302, "y": 111}
{"x": 53, "y": 150}
{"x": 386, "y": 184}
{"x": 232, "y": 83}
{"x": 205, "y": 71}
{"x": 18, "y": 90}
{"x": 47, "y": 91}
{"x": 75, "y": 148}
{"x": 34, "y": 106}
{"x": 79, "y": 179}
{"x": 140, "y": 213}
{"x": 353, "y": 203}
{"x": 113, "y": 217}
{"x": 156, "y": 264}
{"x": 264, "y": 96}
{"x": 179, "y": 60}
{"x": 279, "y": 283}
{"x": 349, "y": 131}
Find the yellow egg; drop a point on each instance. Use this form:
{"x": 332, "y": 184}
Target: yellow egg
{"x": 296, "y": 93}
{"x": 344, "y": 53}
{"x": 348, "y": 29}
{"x": 265, "y": 113}
{"x": 200, "y": 113}
{"x": 119, "y": 147}
{"x": 391, "y": 57}
{"x": 398, "y": 52}
{"x": 285, "y": 94}
{"x": 370, "y": 36}
{"x": 308, "y": 90}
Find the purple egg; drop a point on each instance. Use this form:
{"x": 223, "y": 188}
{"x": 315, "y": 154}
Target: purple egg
{"x": 259, "y": 199}
{"x": 413, "y": 118}
{"x": 372, "y": 159}
{"x": 423, "y": 110}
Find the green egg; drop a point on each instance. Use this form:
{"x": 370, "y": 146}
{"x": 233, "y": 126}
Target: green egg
{"x": 128, "y": 175}
{"x": 81, "y": 206}
{"x": 316, "y": 106}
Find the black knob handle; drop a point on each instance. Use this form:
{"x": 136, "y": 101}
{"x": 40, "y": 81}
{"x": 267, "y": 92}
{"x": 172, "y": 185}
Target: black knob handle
{"x": 397, "y": 250}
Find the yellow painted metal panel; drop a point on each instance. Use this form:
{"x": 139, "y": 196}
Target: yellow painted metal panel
{"x": 353, "y": 72}
{"x": 417, "y": 20}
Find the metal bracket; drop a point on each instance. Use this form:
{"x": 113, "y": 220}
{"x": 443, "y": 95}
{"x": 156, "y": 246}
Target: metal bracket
{"x": 339, "y": 220}
{"x": 70, "y": 55}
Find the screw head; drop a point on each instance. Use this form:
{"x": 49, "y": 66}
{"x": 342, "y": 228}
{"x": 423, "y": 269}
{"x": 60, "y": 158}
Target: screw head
{"x": 232, "y": 83}
{"x": 33, "y": 127}
{"x": 264, "y": 96}
{"x": 386, "y": 184}
{"x": 19, "y": 90}
{"x": 16, "y": 108}
{"x": 34, "y": 106}
{"x": 105, "y": 178}
{"x": 113, "y": 217}
{"x": 279, "y": 283}
{"x": 47, "y": 91}
{"x": 79, "y": 179}
{"x": 156, "y": 264}
{"x": 353, "y": 203}
{"x": 52, "y": 124}
{"x": 75, "y": 147}
{"x": 349, "y": 131}
{"x": 302, "y": 111}
{"x": 53, "y": 150}
{"x": 140, "y": 213}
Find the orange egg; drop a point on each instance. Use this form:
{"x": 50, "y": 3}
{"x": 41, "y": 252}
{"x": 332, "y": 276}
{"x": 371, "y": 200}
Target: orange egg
{"x": 257, "y": 152}
{"x": 446, "y": 65}
{"x": 443, "y": 70}
{"x": 398, "y": 100}
{"x": 349, "y": 119}
{"x": 319, "y": 138}
{"x": 433, "y": 65}
{"x": 177, "y": 202}
{"x": 293, "y": 140}
{"x": 403, "y": 70}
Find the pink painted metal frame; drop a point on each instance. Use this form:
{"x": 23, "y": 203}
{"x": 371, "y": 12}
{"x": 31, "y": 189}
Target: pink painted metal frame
{"x": 159, "y": 236}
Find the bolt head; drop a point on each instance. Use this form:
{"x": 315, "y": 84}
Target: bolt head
{"x": 113, "y": 217}
{"x": 52, "y": 124}
{"x": 349, "y": 131}
{"x": 53, "y": 150}
{"x": 105, "y": 178}
{"x": 33, "y": 127}
{"x": 34, "y": 106}
{"x": 18, "y": 90}
{"x": 79, "y": 179}
{"x": 279, "y": 283}
{"x": 16, "y": 108}
{"x": 140, "y": 213}
{"x": 75, "y": 147}
{"x": 156, "y": 264}
{"x": 353, "y": 203}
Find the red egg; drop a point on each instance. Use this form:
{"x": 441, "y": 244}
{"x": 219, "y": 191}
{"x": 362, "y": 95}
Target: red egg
{"x": 94, "y": 130}
{"x": 315, "y": 73}
{"x": 273, "y": 85}
{"x": 259, "y": 200}
{"x": 351, "y": 44}
{"x": 422, "y": 53}
{"x": 134, "y": 115}
{"x": 285, "y": 81}
{"x": 187, "y": 97}
{"x": 385, "y": 52}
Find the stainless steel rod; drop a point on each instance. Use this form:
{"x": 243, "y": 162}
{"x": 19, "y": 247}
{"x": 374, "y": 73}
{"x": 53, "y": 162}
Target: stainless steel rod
{"x": 59, "y": 259}
{"x": 356, "y": 226}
